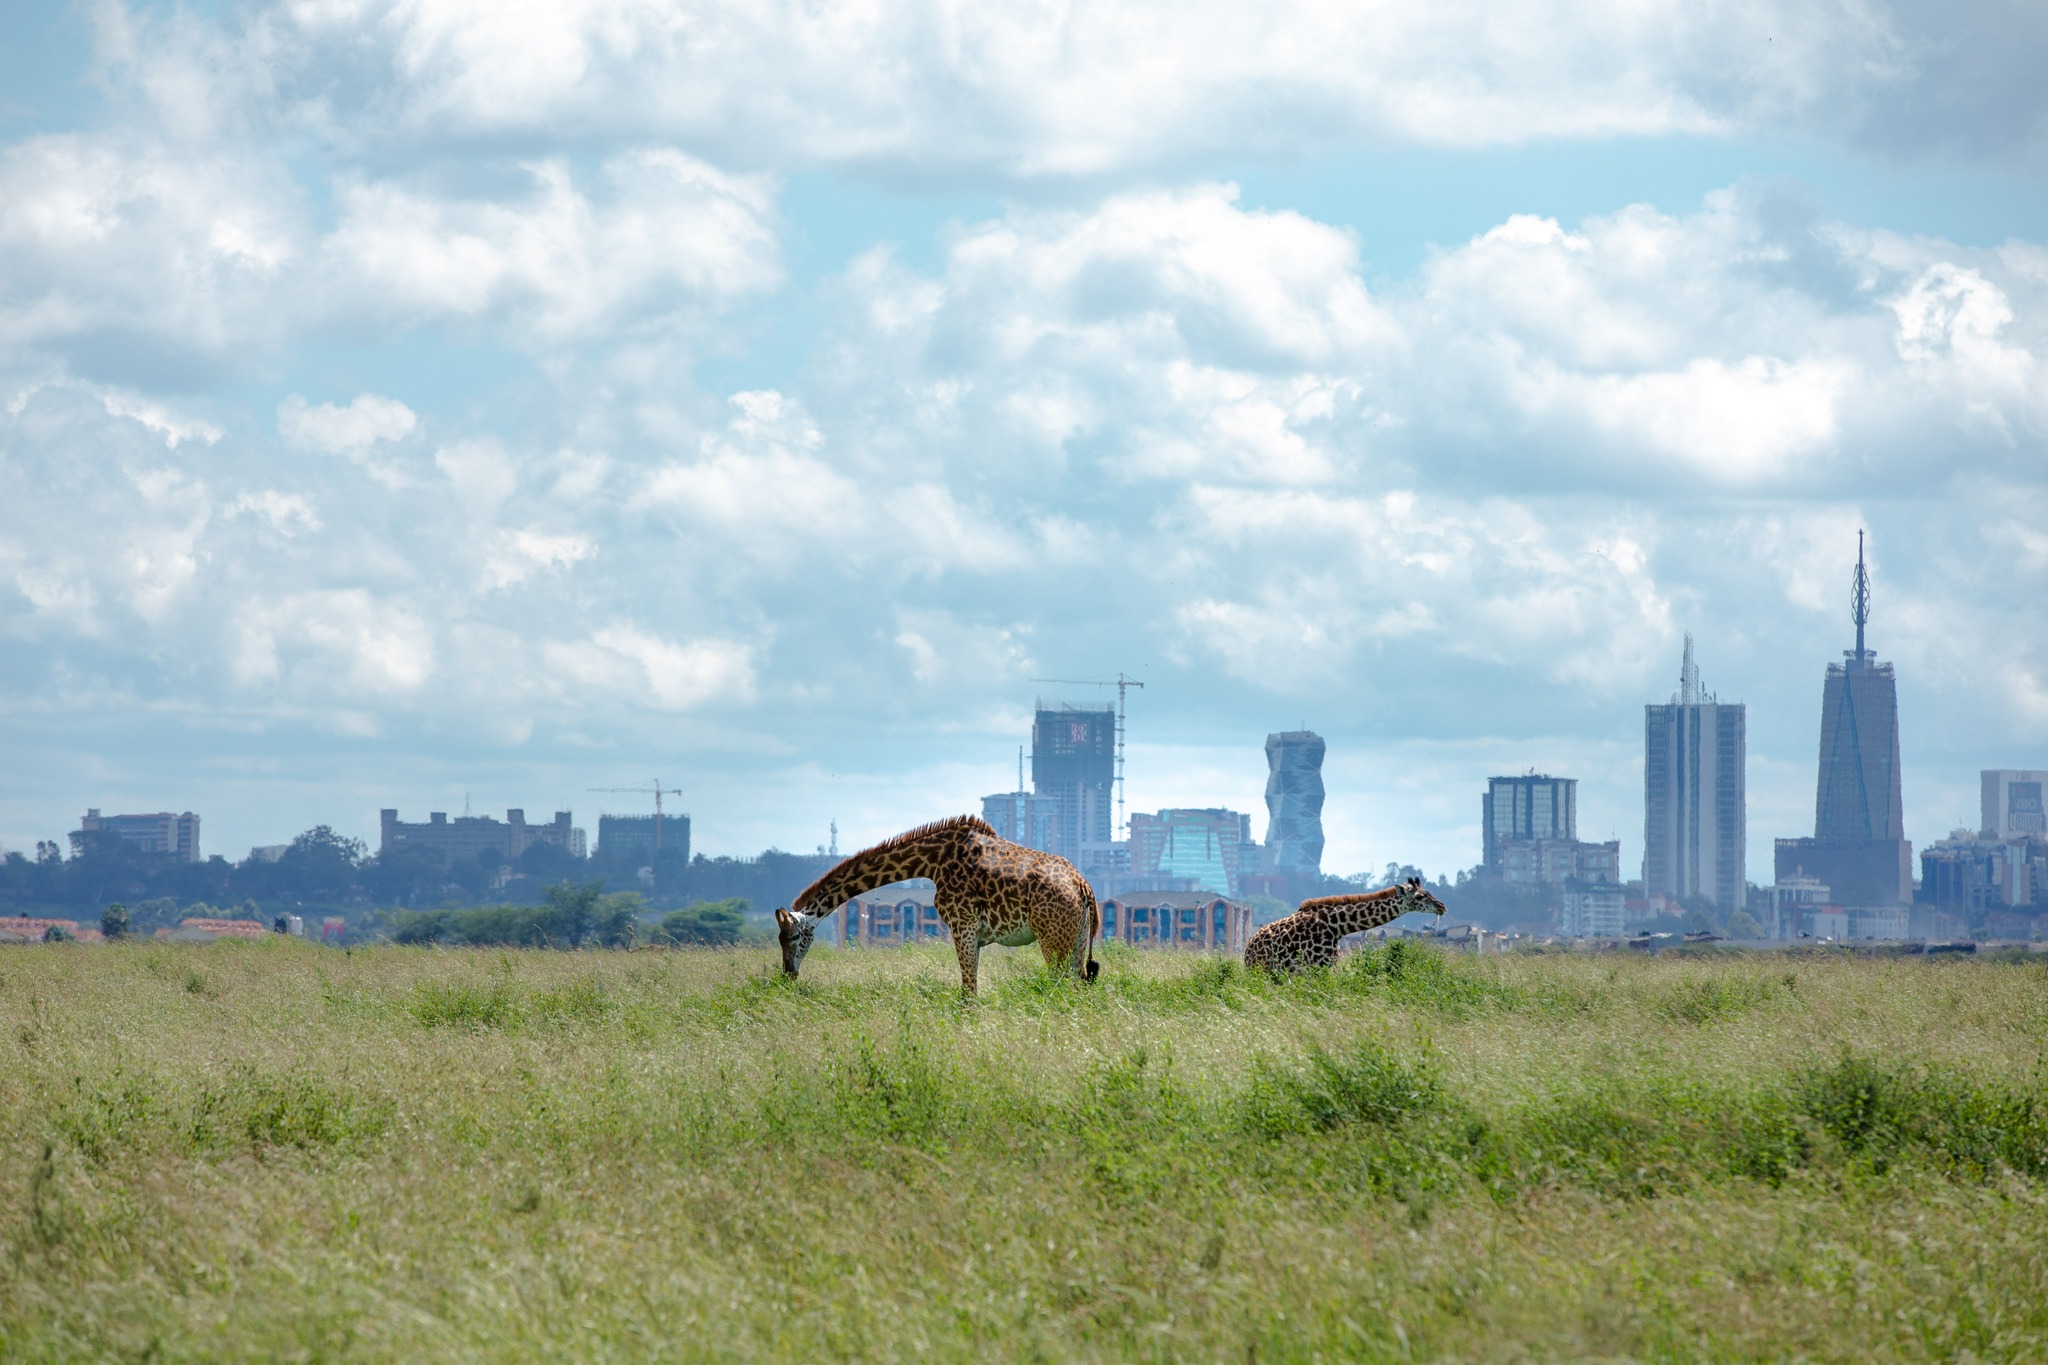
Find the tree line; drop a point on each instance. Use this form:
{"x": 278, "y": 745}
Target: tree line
{"x": 322, "y": 871}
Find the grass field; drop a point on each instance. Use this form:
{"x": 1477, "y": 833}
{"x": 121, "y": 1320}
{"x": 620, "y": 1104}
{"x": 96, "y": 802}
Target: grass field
{"x": 276, "y": 1151}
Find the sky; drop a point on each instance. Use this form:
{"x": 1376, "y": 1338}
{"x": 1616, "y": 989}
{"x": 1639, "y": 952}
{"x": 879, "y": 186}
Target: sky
{"x": 417, "y": 402}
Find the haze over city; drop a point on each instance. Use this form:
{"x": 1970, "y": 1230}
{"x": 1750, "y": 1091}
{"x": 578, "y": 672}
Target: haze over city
{"x": 412, "y": 404}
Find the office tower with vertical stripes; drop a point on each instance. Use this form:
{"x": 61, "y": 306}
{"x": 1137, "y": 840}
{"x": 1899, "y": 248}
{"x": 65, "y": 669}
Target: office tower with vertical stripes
{"x": 1694, "y": 820}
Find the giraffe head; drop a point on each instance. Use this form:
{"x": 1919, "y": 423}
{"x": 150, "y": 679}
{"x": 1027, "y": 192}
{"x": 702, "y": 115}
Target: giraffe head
{"x": 1414, "y": 896}
{"x": 794, "y": 928}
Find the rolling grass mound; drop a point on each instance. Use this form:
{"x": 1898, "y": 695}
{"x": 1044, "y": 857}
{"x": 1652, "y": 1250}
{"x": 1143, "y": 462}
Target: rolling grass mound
{"x": 268, "y": 1150}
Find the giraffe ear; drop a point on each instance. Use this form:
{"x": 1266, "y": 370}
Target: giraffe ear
{"x": 781, "y": 915}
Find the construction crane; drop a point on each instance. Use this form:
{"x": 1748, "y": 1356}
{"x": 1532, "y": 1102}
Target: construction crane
{"x": 658, "y": 791}
{"x": 1120, "y": 683}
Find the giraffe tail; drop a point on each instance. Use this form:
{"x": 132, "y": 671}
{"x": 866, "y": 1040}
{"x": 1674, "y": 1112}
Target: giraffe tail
{"x": 1094, "y": 968}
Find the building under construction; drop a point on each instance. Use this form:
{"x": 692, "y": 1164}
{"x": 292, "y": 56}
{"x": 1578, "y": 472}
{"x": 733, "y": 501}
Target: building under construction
{"x": 1073, "y": 767}
{"x": 633, "y": 840}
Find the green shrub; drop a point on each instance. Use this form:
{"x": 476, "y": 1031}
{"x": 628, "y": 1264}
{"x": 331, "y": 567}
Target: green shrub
{"x": 1328, "y": 1090}
{"x": 464, "y": 1004}
{"x": 706, "y": 924}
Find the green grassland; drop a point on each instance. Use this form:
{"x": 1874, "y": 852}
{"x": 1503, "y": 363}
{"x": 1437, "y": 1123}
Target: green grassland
{"x": 270, "y": 1150}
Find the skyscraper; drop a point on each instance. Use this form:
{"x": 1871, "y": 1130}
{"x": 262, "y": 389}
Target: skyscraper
{"x": 1694, "y": 822}
{"x": 1294, "y": 803}
{"x": 1859, "y": 843}
{"x": 1532, "y": 806}
{"x": 2012, "y": 803}
{"x": 1073, "y": 764}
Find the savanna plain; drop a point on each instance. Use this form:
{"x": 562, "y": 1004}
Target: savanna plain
{"x": 272, "y": 1150}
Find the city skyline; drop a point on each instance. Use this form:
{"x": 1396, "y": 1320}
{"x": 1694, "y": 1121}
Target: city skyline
{"x": 1188, "y": 799}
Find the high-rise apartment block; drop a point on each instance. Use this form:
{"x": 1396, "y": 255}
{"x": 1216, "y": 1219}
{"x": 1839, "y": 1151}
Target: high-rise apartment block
{"x": 1023, "y": 818}
{"x": 162, "y": 832}
{"x": 1859, "y": 843}
{"x": 1073, "y": 766}
{"x": 1694, "y": 823}
{"x": 1294, "y": 804}
{"x": 1528, "y": 807}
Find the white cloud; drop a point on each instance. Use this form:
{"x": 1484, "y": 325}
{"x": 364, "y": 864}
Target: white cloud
{"x": 672, "y": 234}
{"x": 354, "y": 429}
{"x": 287, "y": 514}
{"x": 336, "y": 642}
{"x": 1026, "y": 91}
{"x": 517, "y": 555}
{"x": 628, "y": 662}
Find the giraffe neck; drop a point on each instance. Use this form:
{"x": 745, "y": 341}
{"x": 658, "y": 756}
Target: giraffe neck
{"x": 876, "y": 867}
{"x": 1355, "y": 914}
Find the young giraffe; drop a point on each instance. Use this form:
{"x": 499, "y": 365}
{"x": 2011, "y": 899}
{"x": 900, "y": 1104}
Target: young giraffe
{"x": 1308, "y": 937}
{"x": 989, "y": 891}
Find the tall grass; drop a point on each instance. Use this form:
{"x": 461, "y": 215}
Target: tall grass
{"x": 410, "y": 1153}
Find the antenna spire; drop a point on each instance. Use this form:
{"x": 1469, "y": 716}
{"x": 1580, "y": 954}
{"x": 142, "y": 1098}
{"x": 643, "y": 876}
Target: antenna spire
{"x": 1688, "y": 676}
{"x": 1859, "y": 597}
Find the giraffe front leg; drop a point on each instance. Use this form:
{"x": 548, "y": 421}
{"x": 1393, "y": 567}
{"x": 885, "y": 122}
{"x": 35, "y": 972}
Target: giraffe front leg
{"x": 967, "y": 945}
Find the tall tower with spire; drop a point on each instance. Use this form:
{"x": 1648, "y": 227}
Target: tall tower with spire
{"x": 1695, "y": 819}
{"x": 1859, "y": 846}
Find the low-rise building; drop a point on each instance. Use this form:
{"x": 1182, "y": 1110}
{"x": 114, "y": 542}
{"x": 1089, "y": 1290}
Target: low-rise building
{"x": 891, "y": 916}
{"x": 1533, "y": 863}
{"x": 1593, "y": 910}
{"x": 1794, "y": 899}
{"x": 1177, "y": 919}
{"x": 1881, "y": 923}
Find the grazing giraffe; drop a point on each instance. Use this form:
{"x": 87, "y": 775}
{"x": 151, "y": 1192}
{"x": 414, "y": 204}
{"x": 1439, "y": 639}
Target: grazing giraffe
{"x": 989, "y": 891}
{"x": 1308, "y": 937}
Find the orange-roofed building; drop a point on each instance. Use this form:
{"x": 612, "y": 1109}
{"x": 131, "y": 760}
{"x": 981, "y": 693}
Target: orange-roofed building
{"x": 225, "y": 928}
{"x": 34, "y": 929}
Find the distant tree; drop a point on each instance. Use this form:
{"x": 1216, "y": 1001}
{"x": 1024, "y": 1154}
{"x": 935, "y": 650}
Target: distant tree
{"x": 1700, "y": 922}
{"x": 114, "y": 921}
{"x": 1397, "y": 873}
{"x": 404, "y": 875}
{"x": 422, "y": 926}
{"x": 549, "y": 862}
{"x": 577, "y": 913}
{"x": 571, "y": 916}
{"x": 159, "y": 911}
{"x": 1742, "y": 924}
{"x": 47, "y": 852}
{"x": 320, "y": 865}
{"x": 705, "y": 924}
{"x": 56, "y": 933}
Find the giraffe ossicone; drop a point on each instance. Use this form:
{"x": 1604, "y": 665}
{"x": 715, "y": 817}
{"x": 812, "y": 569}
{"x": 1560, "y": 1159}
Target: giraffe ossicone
{"x": 1309, "y": 936}
{"x": 988, "y": 890}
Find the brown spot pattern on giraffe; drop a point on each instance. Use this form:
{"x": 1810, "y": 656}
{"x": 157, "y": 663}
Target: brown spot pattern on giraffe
{"x": 1309, "y": 936}
{"x": 987, "y": 888}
